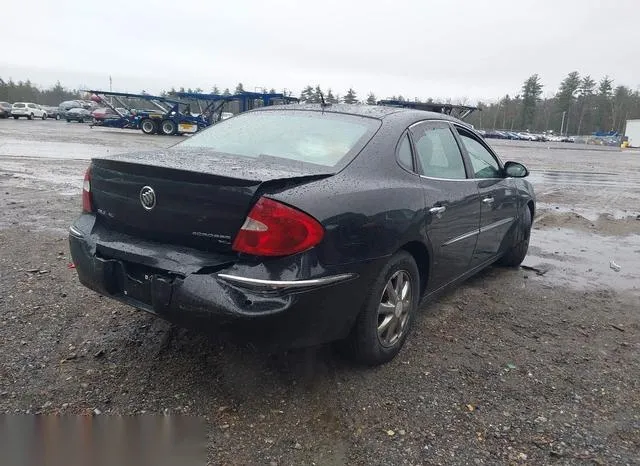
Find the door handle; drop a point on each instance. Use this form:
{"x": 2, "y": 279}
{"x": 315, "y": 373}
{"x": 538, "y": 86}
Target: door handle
{"x": 488, "y": 200}
{"x": 437, "y": 211}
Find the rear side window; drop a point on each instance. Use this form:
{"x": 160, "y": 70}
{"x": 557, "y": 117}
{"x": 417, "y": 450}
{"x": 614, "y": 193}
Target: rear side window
{"x": 31, "y": 105}
{"x": 405, "y": 158}
{"x": 19, "y": 105}
{"x": 438, "y": 152}
{"x": 326, "y": 139}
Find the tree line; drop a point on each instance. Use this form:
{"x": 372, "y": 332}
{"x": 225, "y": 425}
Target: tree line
{"x": 580, "y": 105}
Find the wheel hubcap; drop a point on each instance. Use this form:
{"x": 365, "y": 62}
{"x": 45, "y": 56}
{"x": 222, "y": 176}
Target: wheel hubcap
{"x": 393, "y": 311}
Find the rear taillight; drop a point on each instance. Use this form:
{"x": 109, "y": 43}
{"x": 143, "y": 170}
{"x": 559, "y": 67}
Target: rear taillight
{"x": 274, "y": 229}
{"x": 86, "y": 192}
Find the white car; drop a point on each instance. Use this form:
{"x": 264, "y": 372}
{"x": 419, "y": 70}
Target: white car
{"x": 28, "y": 110}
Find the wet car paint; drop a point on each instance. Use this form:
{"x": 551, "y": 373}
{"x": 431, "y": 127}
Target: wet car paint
{"x": 369, "y": 210}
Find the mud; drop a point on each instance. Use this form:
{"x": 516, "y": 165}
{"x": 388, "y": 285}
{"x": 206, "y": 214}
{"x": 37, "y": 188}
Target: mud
{"x": 538, "y": 365}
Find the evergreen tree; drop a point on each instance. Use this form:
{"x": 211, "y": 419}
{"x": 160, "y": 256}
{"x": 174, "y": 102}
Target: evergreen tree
{"x": 330, "y": 98}
{"x": 371, "y": 99}
{"x": 531, "y": 92}
{"x": 566, "y": 96}
{"x": 350, "y": 97}
{"x": 272, "y": 91}
{"x": 307, "y": 95}
{"x": 317, "y": 95}
{"x": 215, "y": 90}
{"x": 585, "y": 99}
{"x": 604, "y": 104}
{"x": 226, "y": 92}
{"x": 239, "y": 88}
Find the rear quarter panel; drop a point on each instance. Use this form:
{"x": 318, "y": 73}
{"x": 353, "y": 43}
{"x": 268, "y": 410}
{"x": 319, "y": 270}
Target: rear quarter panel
{"x": 370, "y": 209}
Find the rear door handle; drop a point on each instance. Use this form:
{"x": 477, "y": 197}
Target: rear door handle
{"x": 488, "y": 200}
{"x": 437, "y": 211}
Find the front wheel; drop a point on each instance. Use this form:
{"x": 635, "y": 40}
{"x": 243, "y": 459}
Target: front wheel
{"x": 44, "y": 116}
{"x": 15, "y": 117}
{"x": 168, "y": 127}
{"x": 518, "y": 251}
{"x": 57, "y": 117}
{"x": 382, "y": 326}
{"x": 148, "y": 126}
{"x": 30, "y": 117}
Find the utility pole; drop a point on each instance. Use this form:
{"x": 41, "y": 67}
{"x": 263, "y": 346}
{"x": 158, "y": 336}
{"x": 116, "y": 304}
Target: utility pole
{"x": 110, "y": 84}
{"x": 562, "y": 125}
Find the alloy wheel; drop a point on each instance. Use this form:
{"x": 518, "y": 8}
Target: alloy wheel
{"x": 394, "y": 307}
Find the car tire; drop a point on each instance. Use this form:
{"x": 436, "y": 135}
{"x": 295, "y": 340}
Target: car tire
{"x": 148, "y": 126}
{"x": 518, "y": 251}
{"x": 44, "y": 116}
{"x": 168, "y": 127}
{"x": 68, "y": 120}
{"x": 57, "y": 117}
{"x": 80, "y": 120}
{"x": 375, "y": 338}
{"x": 15, "y": 117}
{"x": 30, "y": 117}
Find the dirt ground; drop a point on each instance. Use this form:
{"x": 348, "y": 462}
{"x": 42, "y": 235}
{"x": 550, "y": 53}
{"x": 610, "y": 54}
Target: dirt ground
{"x": 539, "y": 365}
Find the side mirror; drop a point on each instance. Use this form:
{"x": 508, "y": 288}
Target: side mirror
{"x": 515, "y": 170}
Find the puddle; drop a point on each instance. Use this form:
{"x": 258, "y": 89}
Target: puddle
{"x": 582, "y": 260}
{"x": 53, "y": 150}
{"x": 628, "y": 181}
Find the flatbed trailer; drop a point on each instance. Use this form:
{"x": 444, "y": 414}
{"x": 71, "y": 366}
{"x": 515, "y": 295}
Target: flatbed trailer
{"x": 172, "y": 116}
{"x": 458, "y": 111}
{"x": 211, "y": 106}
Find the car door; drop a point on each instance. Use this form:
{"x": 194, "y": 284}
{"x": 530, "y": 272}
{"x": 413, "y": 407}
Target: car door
{"x": 452, "y": 202}
{"x": 498, "y": 195}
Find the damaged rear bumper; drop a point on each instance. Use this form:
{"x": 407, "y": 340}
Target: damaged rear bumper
{"x": 207, "y": 290}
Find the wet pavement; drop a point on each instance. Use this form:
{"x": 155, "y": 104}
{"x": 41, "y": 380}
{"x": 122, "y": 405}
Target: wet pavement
{"x": 536, "y": 365}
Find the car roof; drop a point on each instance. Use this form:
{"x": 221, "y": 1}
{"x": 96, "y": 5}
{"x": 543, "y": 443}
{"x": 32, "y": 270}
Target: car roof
{"x": 372, "y": 111}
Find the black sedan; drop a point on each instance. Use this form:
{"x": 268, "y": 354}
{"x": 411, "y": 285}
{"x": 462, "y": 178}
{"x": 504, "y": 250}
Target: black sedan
{"x": 78, "y": 114}
{"x": 308, "y": 224}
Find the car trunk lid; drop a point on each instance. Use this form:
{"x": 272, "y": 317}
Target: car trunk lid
{"x": 199, "y": 199}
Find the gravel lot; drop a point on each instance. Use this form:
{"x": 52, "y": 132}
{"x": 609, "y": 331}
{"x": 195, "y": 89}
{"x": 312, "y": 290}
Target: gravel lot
{"x": 539, "y": 365}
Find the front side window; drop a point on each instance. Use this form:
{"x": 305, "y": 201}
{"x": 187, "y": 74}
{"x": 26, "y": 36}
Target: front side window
{"x": 438, "y": 152}
{"x": 483, "y": 162}
{"x": 311, "y": 137}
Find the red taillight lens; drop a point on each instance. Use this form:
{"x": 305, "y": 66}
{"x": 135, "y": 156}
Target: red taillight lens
{"x": 86, "y": 192}
{"x": 274, "y": 229}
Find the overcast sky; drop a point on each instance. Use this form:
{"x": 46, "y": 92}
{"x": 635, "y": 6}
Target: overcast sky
{"x": 422, "y": 48}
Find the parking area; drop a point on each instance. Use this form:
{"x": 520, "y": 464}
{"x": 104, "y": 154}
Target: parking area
{"x": 538, "y": 365}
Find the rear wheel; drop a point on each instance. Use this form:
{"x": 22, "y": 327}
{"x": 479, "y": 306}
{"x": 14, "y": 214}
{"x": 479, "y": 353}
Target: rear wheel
{"x": 168, "y": 127}
{"x": 384, "y": 322}
{"x": 148, "y": 126}
{"x": 68, "y": 120}
{"x": 516, "y": 254}
{"x": 57, "y": 117}
{"x": 80, "y": 120}
{"x": 15, "y": 117}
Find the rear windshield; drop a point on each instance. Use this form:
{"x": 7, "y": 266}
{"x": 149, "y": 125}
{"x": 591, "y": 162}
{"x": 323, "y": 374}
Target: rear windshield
{"x": 18, "y": 105}
{"x": 327, "y": 139}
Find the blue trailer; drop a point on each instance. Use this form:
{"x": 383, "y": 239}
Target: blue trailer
{"x": 211, "y": 106}
{"x": 170, "y": 116}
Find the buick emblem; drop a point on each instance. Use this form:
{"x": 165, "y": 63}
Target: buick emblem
{"x": 148, "y": 197}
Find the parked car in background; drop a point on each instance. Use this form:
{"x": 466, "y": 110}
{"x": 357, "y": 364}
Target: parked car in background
{"x": 29, "y": 110}
{"x": 67, "y": 105}
{"x": 78, "y": 114}
{"x": 5, "y": 109}
{"x": 325, "y": 224}
{"x": 52, "y": 112}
